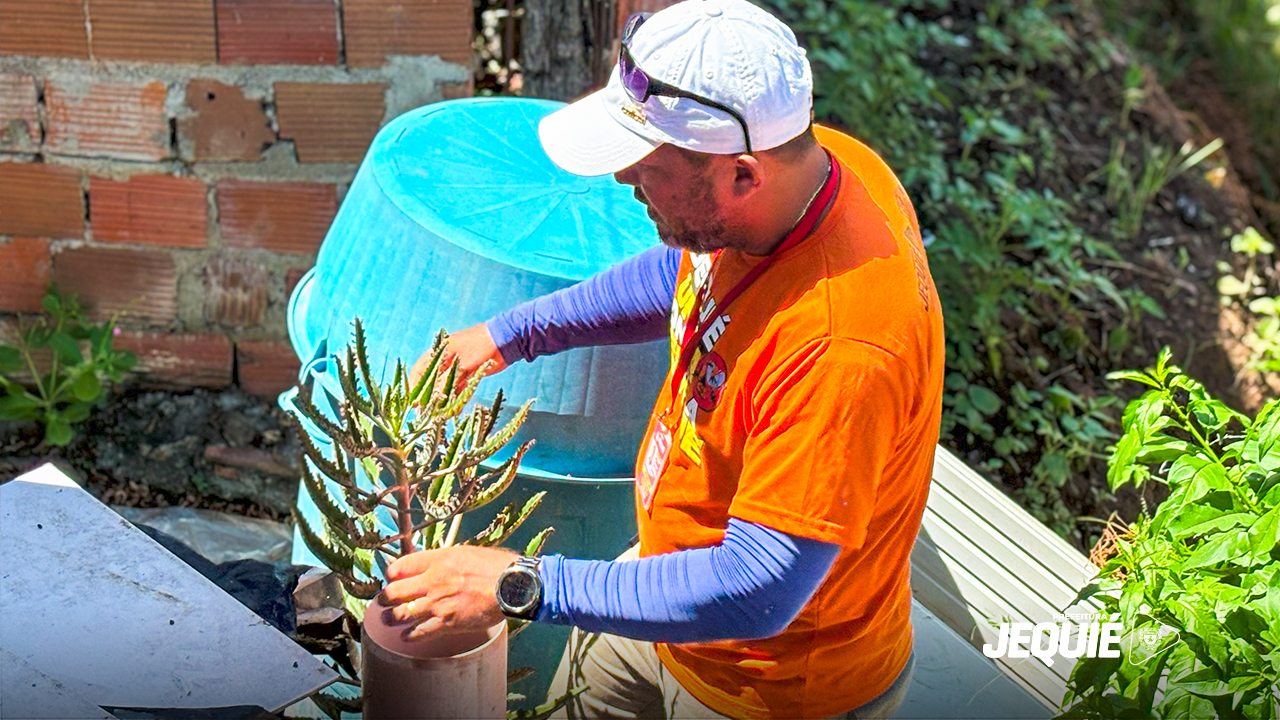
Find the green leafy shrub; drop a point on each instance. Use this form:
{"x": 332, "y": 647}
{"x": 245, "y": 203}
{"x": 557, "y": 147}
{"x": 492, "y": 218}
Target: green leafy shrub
{"x": 56, "y": 371}
{"x": 1200, "y": 578}
{"x": 1264, "y": 339}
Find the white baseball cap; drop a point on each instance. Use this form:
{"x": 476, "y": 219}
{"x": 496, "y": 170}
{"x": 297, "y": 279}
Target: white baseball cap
{"x": 727, "y": 51}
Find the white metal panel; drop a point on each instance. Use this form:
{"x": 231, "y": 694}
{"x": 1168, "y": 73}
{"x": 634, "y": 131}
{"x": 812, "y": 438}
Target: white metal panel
{"x": 984, "y": 608}
{"x": 92, "y": 601}
{"x": 981, "y": 560}
{"x": 29, "y": 694}
{"x": 985, "y": 501}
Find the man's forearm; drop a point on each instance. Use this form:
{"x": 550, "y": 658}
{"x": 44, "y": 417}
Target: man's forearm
{"x": 628, "y": 303}
{"x": 751, "y": 585}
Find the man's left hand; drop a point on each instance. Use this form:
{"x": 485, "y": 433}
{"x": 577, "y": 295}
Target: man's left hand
{"x": 446, "y": 591}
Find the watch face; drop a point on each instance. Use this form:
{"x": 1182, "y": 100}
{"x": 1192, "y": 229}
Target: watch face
{"x": 520, "y": 588}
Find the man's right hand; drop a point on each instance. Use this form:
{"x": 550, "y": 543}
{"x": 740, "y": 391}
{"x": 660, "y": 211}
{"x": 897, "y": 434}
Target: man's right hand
{"x": 470, "y": 348}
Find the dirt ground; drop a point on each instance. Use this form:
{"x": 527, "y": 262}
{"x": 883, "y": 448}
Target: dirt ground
{"x": 219, "y": 450}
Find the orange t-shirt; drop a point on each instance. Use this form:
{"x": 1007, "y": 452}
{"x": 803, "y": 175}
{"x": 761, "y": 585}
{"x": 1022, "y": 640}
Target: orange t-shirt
{"x": 811, "y": 406}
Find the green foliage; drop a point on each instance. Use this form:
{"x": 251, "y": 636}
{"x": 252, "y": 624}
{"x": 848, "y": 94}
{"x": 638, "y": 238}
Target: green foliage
{"x": 57, "y": 371}
{"x": 1131, "y": 189}
{"x": 961, "y": 100}
{"x": 1240, "y": 37}
{"x": 1201, "y": 576}
{"x": 407, "y": 462}
{"x": 1264, "y": 339}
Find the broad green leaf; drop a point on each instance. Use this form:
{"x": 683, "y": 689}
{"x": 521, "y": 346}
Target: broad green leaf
{"x": 1199, "y": 475}
{"x": 1232, "y": 286}
{"x": 10, "y": 359}
{"x": 1192, "y": 524}
{"x": 66, "y": 348}
{"x": 1134, "y": 376}
{"x": 19, "y": 407}
{"x": 1163, "y": 448}
{"x": 57, "y": 432}
{"x": 1123, "y": 467}
{"x": 1214, "y": 415}
{"x": 1162, "y": 368}
{"x": 1262, "y": 444}
{"x": 1183, "y": 705}
{"x": 1251, "y": 243}
{"x": 51, "y": 304}
{"x": 1205, "y": 683}
{"x": 1227, "y": 547}
{"x": 987, "y": 402}
{"x": 87, "y": 388}
{"x": 1263, "y": 535}
{"x": 76, "y": 412}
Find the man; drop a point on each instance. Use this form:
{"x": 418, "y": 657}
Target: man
{"x": 782, "y": 478}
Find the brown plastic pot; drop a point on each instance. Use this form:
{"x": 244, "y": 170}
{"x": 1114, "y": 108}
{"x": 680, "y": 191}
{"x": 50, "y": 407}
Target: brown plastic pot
{"x": 454, "y": 676}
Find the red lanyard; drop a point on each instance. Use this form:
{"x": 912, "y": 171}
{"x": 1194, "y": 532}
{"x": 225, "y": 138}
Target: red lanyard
{"x": 693, "y": 331}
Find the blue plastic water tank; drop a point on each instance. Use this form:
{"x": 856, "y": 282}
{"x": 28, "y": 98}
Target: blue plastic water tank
{"x": 457, "y": 214}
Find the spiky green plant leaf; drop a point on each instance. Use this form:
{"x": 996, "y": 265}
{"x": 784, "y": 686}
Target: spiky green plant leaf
{"x": 332, "y": 557}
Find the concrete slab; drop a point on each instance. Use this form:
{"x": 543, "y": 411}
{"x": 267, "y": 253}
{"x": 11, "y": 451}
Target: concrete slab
{"x": 93, "y": 603}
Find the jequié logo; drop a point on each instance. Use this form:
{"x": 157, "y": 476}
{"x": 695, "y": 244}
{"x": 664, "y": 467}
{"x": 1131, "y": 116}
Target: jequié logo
{"x": 1064, "y": 639}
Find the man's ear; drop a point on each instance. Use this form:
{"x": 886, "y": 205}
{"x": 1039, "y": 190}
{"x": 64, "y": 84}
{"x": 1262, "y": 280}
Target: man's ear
{"x": 748, "y": 175}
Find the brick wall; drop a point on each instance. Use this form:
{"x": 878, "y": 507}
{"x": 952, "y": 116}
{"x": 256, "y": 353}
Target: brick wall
{"x": 180, "y": 160}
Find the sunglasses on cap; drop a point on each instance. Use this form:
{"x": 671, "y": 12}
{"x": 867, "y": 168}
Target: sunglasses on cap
{"x": 640, "y": 86}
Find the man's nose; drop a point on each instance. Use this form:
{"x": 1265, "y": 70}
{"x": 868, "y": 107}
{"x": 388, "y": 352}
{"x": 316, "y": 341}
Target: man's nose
{"x": 627, "y": 176}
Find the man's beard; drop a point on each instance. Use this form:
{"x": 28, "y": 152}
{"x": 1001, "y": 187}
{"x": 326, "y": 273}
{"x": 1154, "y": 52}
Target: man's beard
{"x": 705, "y": 240}
{"x": 708, "y": 238}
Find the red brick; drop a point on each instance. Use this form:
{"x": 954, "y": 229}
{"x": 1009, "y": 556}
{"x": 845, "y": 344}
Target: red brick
{"x": 266, "y": 367}
{"x": 455, "y": 90}
{"x": 282, "y": 217}
{"x": 228, "y": 126}
{"x": 41, "y": 199}
{"x": 374, "y": 29}
{"x": 128, "y": 122}
{"x": 290, "y": 32}
{"x": 150, "y": 210}
{"x": 330, "y": 123}
{"x": 143, "y": 284}
{"x": 26, "y": 274}
{"x": 165, "y": 31}
{"x": 179, "y": 360}
{"x": 45, "y": 28}
{"x": 236, "y": 291}
{"x": 19, "y": 121}
{"x": 291, "y": 278}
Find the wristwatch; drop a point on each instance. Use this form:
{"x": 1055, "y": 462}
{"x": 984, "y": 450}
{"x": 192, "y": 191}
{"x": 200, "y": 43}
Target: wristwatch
{"x": 520, "y": 589}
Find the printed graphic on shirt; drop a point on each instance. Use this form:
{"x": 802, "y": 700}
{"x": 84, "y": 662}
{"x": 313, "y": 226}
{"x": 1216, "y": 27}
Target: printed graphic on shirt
{"x": 916, "y": 245}
{"x": 708, "y": 381}
{"x": 707, "y": 372}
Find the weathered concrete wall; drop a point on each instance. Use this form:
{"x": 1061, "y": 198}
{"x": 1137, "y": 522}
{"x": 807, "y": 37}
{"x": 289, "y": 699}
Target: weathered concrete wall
{"x": 181, "y": 160}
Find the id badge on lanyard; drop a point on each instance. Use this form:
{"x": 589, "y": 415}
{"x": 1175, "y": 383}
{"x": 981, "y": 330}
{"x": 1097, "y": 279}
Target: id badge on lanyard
{"x": 658, "y": 452}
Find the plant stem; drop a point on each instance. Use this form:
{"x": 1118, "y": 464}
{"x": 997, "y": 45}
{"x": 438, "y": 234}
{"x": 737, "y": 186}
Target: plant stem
{"x": 453, "y": 530}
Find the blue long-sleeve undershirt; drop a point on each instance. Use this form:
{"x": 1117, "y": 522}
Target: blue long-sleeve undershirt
{"x": 628, "y": 303}
{"x": 751, "y": 585}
